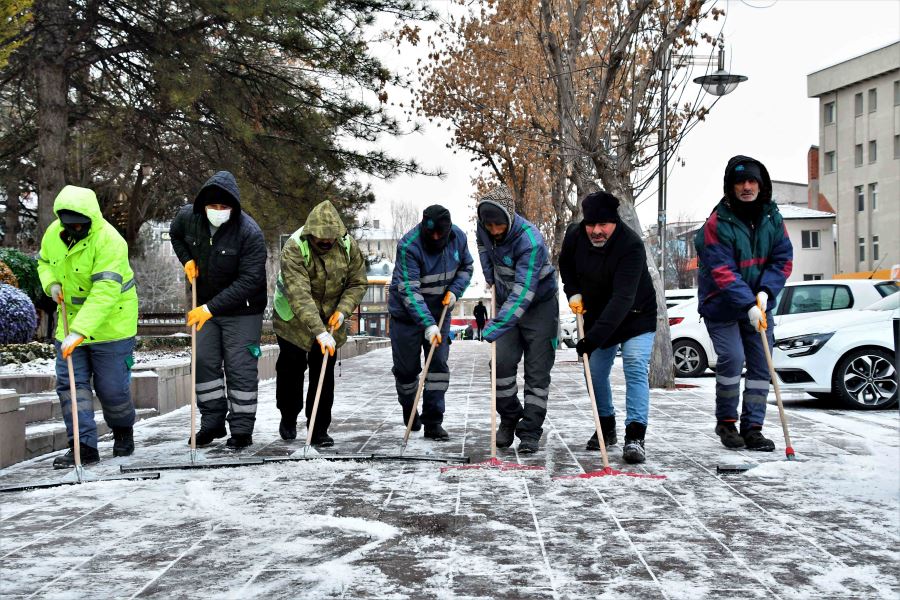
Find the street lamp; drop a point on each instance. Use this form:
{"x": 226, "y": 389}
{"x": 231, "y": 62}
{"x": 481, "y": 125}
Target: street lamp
{"x": 719, "y": 83}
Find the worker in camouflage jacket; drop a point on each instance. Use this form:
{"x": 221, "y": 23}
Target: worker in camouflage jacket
{"x": 516, "y": 263}
{"x": 432, "y": 271}
{"x": 321, "y": 282}
{"x": 224, "y": 255}
{"x": 84, "y": 262}
{"x": 745, "y": 258}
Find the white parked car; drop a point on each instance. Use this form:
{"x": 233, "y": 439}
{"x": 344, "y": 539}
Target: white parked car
{"x": 851, "y": 358}
{"x": 676, "y": 297}
{"x": 693, "y": 350}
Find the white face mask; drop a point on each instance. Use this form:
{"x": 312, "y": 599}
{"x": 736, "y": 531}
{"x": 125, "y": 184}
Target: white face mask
{"x": 217, "y": 218}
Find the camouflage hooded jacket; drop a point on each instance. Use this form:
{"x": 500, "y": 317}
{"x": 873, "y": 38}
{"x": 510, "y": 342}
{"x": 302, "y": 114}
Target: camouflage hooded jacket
{"x": 312, "y": 285}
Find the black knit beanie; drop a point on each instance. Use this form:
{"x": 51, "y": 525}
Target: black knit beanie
{"x": 600, "y": 207}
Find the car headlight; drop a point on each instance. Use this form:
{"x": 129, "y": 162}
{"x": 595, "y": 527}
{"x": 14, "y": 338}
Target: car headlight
{"x": 803, "y": 345}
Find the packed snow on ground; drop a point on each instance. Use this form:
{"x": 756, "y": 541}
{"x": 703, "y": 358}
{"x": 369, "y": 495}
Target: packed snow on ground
{"x": 826, "y": 527}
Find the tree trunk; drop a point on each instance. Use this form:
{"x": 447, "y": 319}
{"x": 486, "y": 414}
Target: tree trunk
{"x": 50, "y": 17}
{"x": 662, "y": 373}
{"x": 11, "y": 224}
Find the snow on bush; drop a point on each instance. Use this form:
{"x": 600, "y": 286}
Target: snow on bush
{"x": 24, "y": 353}
{"x": 18, "y": 319}
{"x": 25, "y": 269}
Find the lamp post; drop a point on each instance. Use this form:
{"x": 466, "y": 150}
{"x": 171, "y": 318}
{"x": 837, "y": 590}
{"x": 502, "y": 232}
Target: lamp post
{"x": 719, "y": 83}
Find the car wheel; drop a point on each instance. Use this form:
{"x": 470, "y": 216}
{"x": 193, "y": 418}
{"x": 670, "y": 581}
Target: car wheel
{"x": 866, "y": 379}
{"x": 690, "y": 359}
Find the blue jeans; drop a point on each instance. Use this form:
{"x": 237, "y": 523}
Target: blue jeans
{"x": 109, "y": 365}
{"x": 636, "y": 364}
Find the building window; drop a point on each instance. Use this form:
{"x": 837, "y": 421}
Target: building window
{"x": 862, "y": 249}
{"x": 860, "y": 198}
{"x": 874, "y": 247}
{"x": 873, "y": 100}
{"x": 858, "y": 104}
{"x": 809, "y": 238}
{"x": 873, "y": 196}
{"x": 829, "y": 162}
{"x": 858, "y": 155}
{"x": 897, "y": 92}
{"x": 813, "y": 277}
{"x": 829, "y": 113}
{"x": 896, "y": 147}
{"x": 873, "y": 151}
{"x": 376, "y": 224}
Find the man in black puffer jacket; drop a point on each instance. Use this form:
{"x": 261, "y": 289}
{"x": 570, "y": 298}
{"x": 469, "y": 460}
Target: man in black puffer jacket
{"x": 224, "y": 254}
{"x": 605, "y": 276}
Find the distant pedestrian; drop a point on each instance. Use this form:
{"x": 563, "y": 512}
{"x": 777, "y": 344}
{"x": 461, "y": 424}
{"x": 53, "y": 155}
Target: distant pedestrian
{"x": 84, "y": 263}
{"x": 605, "y": 276}
{"x": 224, "y": 255}
{"x": 515, "y": 260}
{"x": 480, "y": 313}
{"x": 745, "y": 257}
{"x": 321, "y": 282}
{"x": 433, "y": 270}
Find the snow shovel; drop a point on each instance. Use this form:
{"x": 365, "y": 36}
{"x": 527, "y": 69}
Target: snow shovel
{"x": 308, "y": 452}
{"x": 78, "y": 474}
{"x": 606, "y": 470}
{"x": 788, "y": 447}
{"x": 493, "y": 462}
{"x": 196, "y": 460}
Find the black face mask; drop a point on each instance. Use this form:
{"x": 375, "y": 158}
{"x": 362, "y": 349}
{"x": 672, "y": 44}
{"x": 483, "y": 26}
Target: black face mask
{"x": 748, "y": 212}
{"x": 323, "y": 246}
{"x": 433, "y": 246}
{"x": 76, "y": 236}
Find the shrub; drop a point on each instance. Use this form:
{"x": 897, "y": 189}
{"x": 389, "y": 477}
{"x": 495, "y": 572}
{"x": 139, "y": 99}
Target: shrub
{"x": 7, "y": 276}
{"x": 18, "y": 319}
{"x": 23, "y": 353}
{"x": 25, "y": 269}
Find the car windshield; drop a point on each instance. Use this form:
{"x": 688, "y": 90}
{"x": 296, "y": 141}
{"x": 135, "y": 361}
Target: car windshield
{"x": 892, "y": 302}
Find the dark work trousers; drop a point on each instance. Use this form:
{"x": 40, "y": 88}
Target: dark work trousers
{"x": 109, "y": 365}
{"x": 480, "y": 330}
{"x": 232, "y": 342}
{"x": 289, "y": 369}
{"x": 409, "y": 349}
{"x": 735, "y": 343}
{"x": 535, "y": 336}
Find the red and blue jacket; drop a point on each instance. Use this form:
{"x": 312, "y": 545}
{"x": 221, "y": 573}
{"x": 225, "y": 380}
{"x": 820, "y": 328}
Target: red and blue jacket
{"x": 736, "y": 260}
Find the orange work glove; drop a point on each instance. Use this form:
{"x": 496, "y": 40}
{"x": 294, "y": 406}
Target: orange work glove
{"x": 191, "y": 270}
{"x": 326, "y": 342}
{"x": 576, "y": 304}
{"x": 336, "y": 320}
{"x": 449, "y": 299}
{"x": 70, "y": 342}
{"x": 56, "y": 292}
{"x": 198, "y": 316}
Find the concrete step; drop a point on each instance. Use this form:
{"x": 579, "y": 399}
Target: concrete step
{"x": 45, "y": 406}
{"x": 49, "y": 435}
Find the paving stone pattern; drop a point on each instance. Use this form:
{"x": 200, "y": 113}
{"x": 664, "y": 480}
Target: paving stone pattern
{"x": 319, "y": 529}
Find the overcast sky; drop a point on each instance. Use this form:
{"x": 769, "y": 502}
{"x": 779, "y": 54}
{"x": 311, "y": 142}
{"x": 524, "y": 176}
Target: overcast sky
{"x": 775, "y": 43}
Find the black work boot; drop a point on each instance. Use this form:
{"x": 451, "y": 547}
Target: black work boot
{"x": 505, "y": 434}
{"x": 729, "y": 435}
{"x": 89, "y": 456}
{"x": 437, "y": 433}
{"x": 755, "y": 440}
{"x": 528, "y": 445}
{"x": 205, "y": 437}
{"x": 123, "y": 441}
{"x": 238, "y": 441}
{"x": 322, "y": 440}
{"x": 633, "y": 450}
{"x": 608, "y": 427}
{"x": 287, "y": 428}
{"x": 417, "y": 421}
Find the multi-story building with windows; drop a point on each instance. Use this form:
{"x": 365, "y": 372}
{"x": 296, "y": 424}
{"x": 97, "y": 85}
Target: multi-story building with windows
{"x": 859, "y": 156}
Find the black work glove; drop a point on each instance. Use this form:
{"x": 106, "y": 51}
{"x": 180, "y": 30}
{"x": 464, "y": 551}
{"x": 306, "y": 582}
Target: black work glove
{"x": 585, "y": 347}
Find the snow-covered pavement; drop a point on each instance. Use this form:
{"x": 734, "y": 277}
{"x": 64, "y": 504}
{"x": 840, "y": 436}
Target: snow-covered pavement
{"x": 827, "y": 527}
